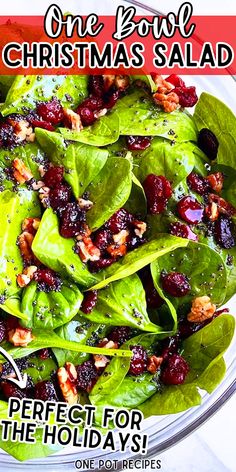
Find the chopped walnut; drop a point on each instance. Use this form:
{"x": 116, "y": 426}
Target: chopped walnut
{"x": 85, "y": 232}
{"x": 154, "y": 364}
{"x": 72, "y": 120}
{"x": 24, "y": 242}
{"x": 42, "y": 170}
{"x": 31, "y": 225}
{"x": 24, "y": 131}
{"x": 122, "y": 82}
{"x": 21, "y": 173}
{"x": 87, "y": 250}
{"x": 37, "y": 185}
{"x": 162, "y": 85}
{"x": 101, "y": 113}
{"x": 67, "y": 377}
{"x": 121, "y": 237}
{"x": 169, "y": 102}
{"x": 108, "y": 81}
{"x": 108, "y": 344}
{"x": 212, "y": 211}
{"x": 117, "y": 250}
{"x": 100, "y": 361}
{"x": 25, "y": 278}
{"x": 201, "y": 310}
{"x": 20, "y": 336}
{"x": 140, "y": 228}
{"x": 44, "y": 196}
{"x": 216, "y": 181}
{"x": 85, "y": 204}
{"x": 224, "y": 207}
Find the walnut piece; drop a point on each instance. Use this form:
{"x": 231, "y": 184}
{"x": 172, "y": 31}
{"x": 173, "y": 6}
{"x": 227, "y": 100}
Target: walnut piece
{"x": 202, "y": 309}
{"x": 24, "y": 131}
{"x": 85, "y": 204}
{"x": 212, "y": 211}
{"x": 67, "y": 377}
{"x": 169, "y": 102}
{"x": 120, "y": 238}
{"x": 216, "y": 181}
{"x": 25, "y": 278}
{"x": 108, "y": 344}
{"x": 31, "y": 225}
{"x": 72, "y": 120}
{"x": 117, "y": 250}
{"x": 162, "y": 85}
{"x": 21, "y": 173}
{"x": 44, "y": 196}
{"x": 24, "y": 242}
{"x": 100, "y": 361}
{"x": 140, "y": 228}
{"x": 154, "y": 364}
{"x": 20, "y": 336}
{"x": 87, "y": 250}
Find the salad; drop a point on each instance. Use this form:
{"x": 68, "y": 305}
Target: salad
{"x": 118, "y": 242}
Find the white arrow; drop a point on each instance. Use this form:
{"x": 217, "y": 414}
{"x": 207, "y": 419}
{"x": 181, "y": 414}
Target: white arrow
{"x": 19, "y": 381}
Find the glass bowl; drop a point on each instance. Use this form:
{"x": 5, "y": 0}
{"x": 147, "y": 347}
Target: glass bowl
{"x": 163, "y": 431}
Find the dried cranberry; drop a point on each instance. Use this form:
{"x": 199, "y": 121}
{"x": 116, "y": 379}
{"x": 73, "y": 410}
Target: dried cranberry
{"x": 186, "y": 329}
{"x": 224, "y": 232}
{"x": 187, "y": 96}
{"x": 175, "y": 283}
{"x": 120, "y": 334}
{"x": 86, "y": 376}
{"x": 8, "y": 139}
{"x": 3, "y": 330}
{"x": 51, "y": 111}
{"x": 170, "y": 346}
{"x": 37, "y": 123}
{"x": 89, "y": 301}
{"x": 72, "y": 220}
{"x": 102, "y": 239}
{"x": 87, "y": 116}
{"x": 120, "y": 220}
{"x": 138, "y": 143}
{"x": 44, "y": 354}
{"x": 158, "y": 191}
{"x": 59, "y": 196}
{"x": 93, "y": 103}
{"x": 190, "y": 210}
{"x": 111, "y": 98}
{"x": 139, "y": 360}
{"x": 11, "y": 390}
{"x": 54, "y": 176}
{"x": 47, "y": 280}
{"x": 175, "y": 80}
{"x": 96, "y": 266}
{"x": 182, "y": 231}
{"x": 208, "y": 143}
{"x": 175, "y": 371}
{"x": 96, "y": 85}
{"x": 197, "y": 183}
{"x": 46, "y": 391}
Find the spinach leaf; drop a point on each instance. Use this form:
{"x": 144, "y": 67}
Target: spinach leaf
{"x": 203, "y": 351}
{"x": 104, "y": 131}
{"x": 123, "y": 303}
{"x": 81, "y": 331}
{"x": 23, "y": 452}
{"x": 140, "y": 257}
{"x": 207, "y": 278}
{"x": 82, "y": 163}
{"x": 5, "y": 83}
{"x": 12, "y": 306}
{"x": 14, "y": 207}
{"x": 109, "y": 191}
{"x": 213, "y": 114}
{"x": 57, "y": 252}
{"x": 44, "y": 338}
{"x": 139, "y": 115}
{"x": 137, "y": 202}
{"x": 52, "y": 309}
{"x": 26, "y": 90}
{"x": 40, "y": 369}
{"x": 161, "y": 158}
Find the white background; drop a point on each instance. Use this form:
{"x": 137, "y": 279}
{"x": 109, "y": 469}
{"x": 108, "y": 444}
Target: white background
{"x": 213, "y": 447}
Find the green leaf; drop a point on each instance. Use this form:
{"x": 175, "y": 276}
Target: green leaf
{"x": 26, "y": 90}
{"x": 213, "y": 114}
{"x": 104, "y": 131}
{"x": 147, "y": 79}
{"x": 139, "y": 115}
{"x": 14, "y": 207}
{"x": 123, "y": 303}
{"x": 161, "y": 158}
{"x": 83, "y": 332}
{"x": 209, "y": 277}
{"x": 57, "y": 252}
{"x": 137, "y": 202}
{"x": 5, "y": 83}
{"x": 139, "y": 258}
{"x": 109, "y": 191}
{"x": 44, "y": 338}
{"x": 12, "y": 306}
{"x": 82, "y": 163}
{"x": 41, "y": 369}
{"x": 52, "y": 309}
